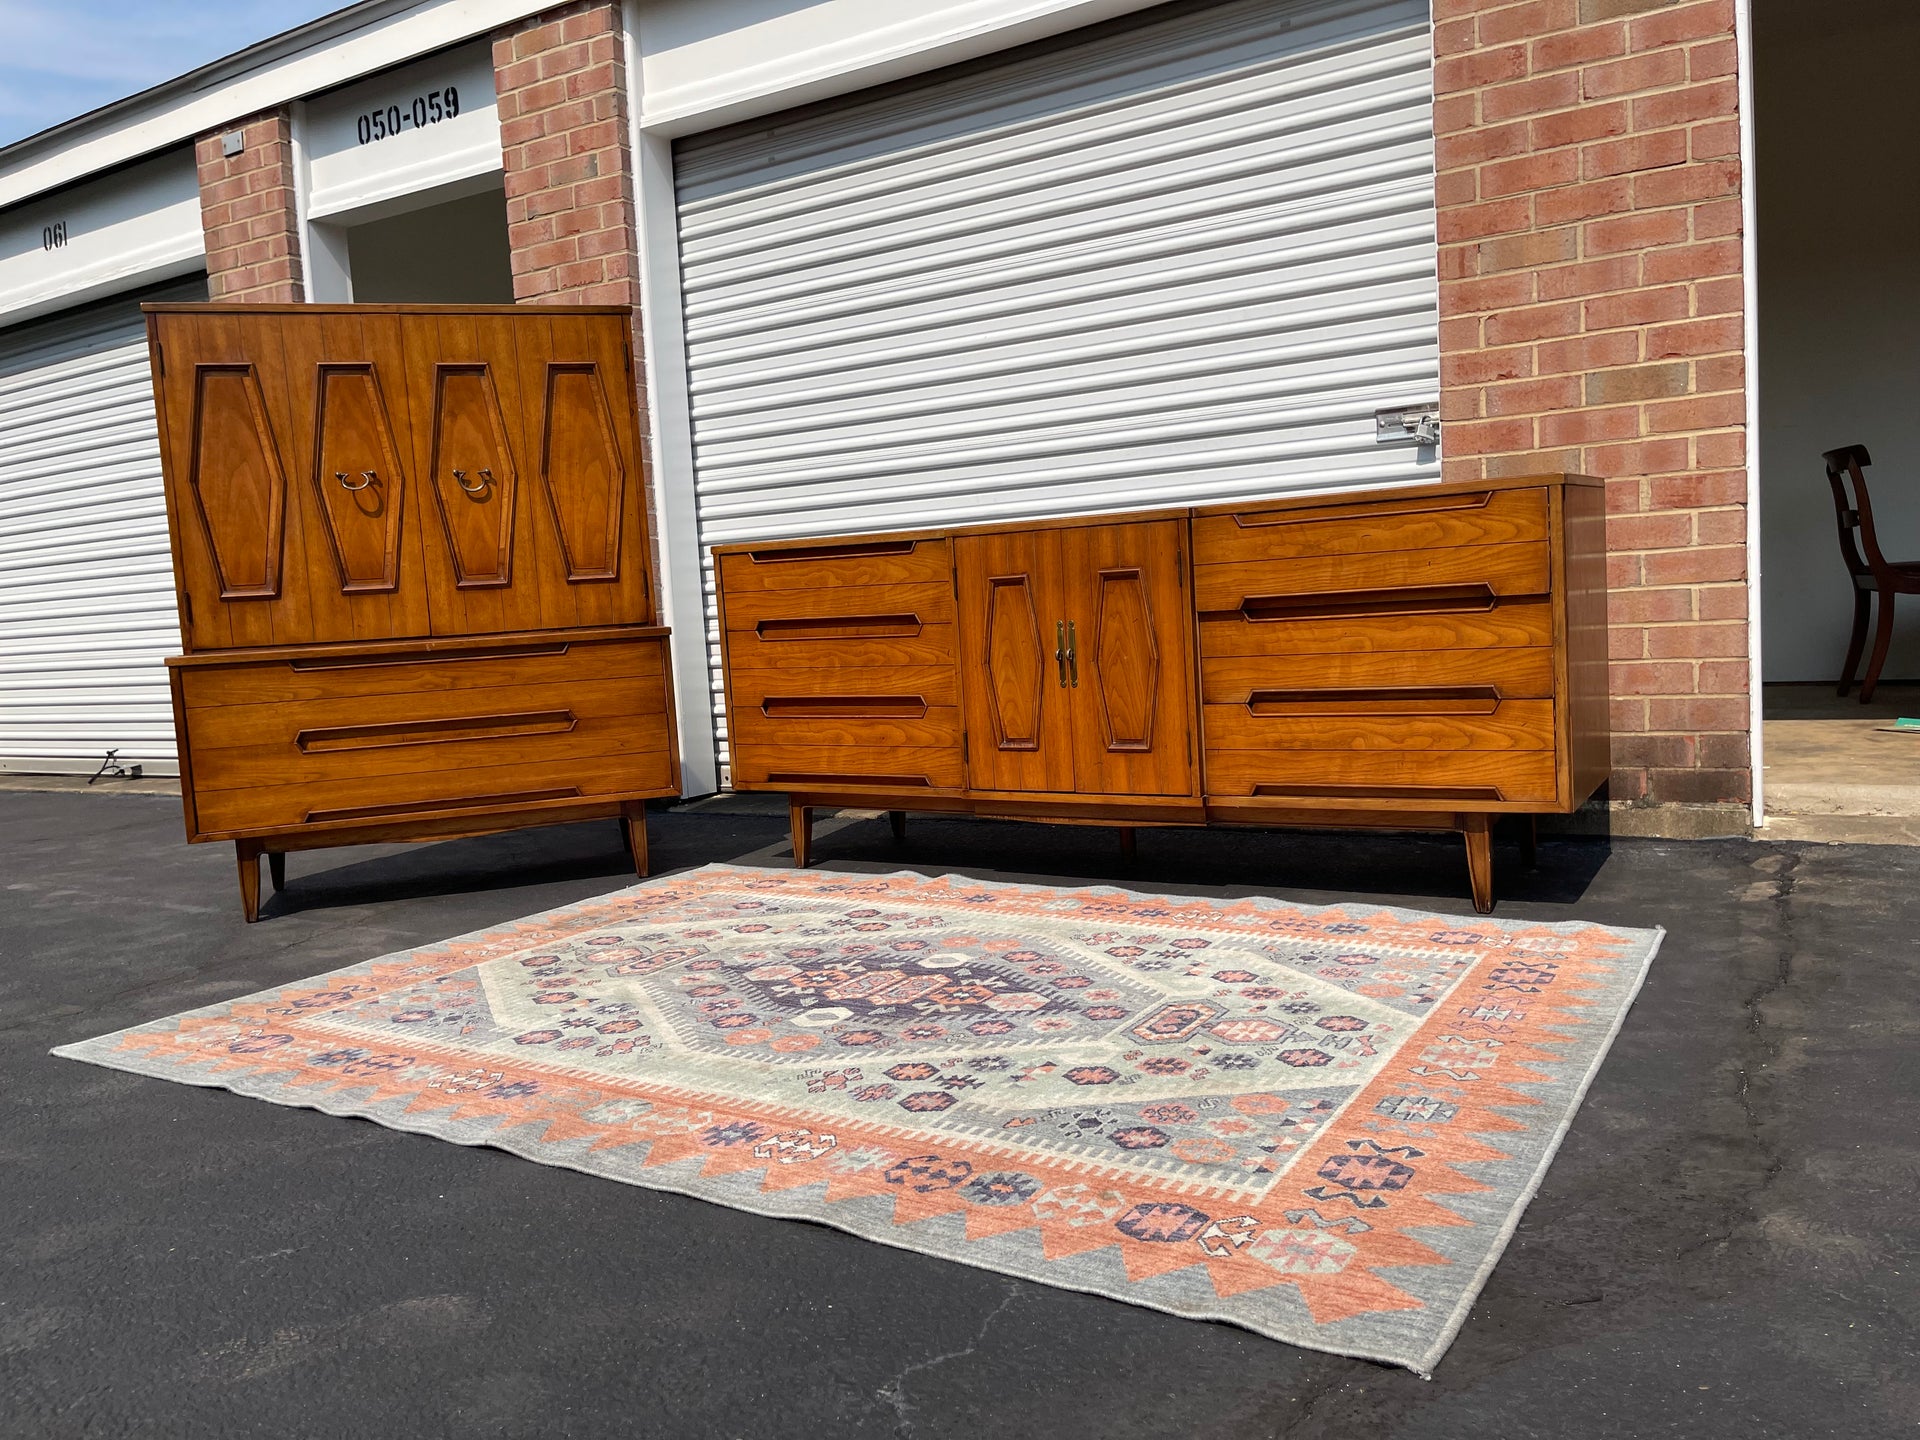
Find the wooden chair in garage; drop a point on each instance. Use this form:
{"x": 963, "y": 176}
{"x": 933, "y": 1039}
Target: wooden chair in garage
{"x": 1873, "y": 574}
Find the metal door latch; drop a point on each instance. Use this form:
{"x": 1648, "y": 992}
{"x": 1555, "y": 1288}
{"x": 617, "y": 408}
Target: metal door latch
{"x": 1399, "y": 424}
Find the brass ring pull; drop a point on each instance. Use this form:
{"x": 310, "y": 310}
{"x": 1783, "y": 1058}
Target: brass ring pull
{"x": 346, "y": 484}
{"x": 460, "y": 478}
{"x": 1060, "y": 650}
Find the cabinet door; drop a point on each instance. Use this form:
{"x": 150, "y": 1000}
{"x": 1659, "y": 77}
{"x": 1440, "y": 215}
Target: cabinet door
{"x": 480, "y": 545}
{"x": 583, "y": 553}
{"x": 1130, "y": 671}
{"x": 1012, "y": 633}
{"x": 350, "y": 423}
{"x": 236, "y": 527}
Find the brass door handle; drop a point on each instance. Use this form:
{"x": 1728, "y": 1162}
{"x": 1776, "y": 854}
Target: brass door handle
{"x": 1073, "y": 655}
{"x": 346, "y": 484}
{"x": 1060, "y": 650}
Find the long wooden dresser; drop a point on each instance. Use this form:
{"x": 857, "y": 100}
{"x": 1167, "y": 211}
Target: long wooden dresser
{"x": 411, "y": 556}
{"x": 1421, "y": 658}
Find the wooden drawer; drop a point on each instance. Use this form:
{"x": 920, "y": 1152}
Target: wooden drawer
{"x": 1414, "y": 635}
{"x": 851, "y": 562}
{"x": 905, "y": 644}
{"x": 1426, "y": 779}
{"x": 839, "y": 612}
{"x": 898, "y": 725}
{"x": 881, "y": 690}
{"x": 1511, "y": 674}
{"x": 837, "y": 768}
{"x": 1392, "y": 581}
{"x": 343, "y": 740}
{"x": 1361, "y": 527}
{"x": 1425, "y": 723}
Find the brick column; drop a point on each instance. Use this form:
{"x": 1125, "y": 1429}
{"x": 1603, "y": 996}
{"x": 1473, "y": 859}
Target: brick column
{"x": 1591, "y": 320}
{"x": 247, "y": 211}
{"x": 562, "y": 83}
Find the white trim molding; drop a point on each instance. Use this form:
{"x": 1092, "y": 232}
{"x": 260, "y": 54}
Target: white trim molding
{"x": 1750, "y": 276}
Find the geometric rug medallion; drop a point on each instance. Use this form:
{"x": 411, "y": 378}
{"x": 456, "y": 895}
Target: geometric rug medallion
{"x": 1318, "y": 1123}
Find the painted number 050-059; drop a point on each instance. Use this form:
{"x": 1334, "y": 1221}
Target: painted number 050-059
{"x": 424, "y": 110}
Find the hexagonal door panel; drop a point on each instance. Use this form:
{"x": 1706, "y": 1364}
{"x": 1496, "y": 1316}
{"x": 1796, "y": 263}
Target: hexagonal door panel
{"x": 238, "y": 487}
{"x": 472, "y": 477}
{"x": 1126, "y": 660}
{"x": 1016, "y": 698}
{"x": 357, "y": 478}
{"x": 581, "y": 472}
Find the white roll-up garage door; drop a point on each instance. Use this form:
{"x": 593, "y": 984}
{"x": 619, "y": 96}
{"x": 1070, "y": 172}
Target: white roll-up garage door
{"x": 87, "y": 611}
{"x": 1178, "y": 260}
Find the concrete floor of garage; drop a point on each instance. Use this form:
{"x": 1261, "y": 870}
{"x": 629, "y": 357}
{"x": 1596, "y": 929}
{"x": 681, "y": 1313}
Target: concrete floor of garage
{"x": 1726, "y": 1245}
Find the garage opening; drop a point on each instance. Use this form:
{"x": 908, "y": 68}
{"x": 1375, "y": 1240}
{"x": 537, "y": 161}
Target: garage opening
{"x": 1839, "y": 310}
{"x": 441, "y": 249}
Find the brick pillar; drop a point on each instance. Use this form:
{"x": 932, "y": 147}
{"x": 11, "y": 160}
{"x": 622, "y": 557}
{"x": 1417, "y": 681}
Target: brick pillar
{"x": 562, "y": 83}
{"x": 561, "y": 79}
{"x": 1591, "y": 320}
{"x": 247, "y": 211}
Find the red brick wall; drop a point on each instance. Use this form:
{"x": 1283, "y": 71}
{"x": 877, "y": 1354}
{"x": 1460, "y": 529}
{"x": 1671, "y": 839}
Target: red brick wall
{"x": 1591, "y": 320}
{"x": 561, "y": 78}
{"x": 247, "y": 212}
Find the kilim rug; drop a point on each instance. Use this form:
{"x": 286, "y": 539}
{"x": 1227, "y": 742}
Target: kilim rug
{"x": 1321, "y": 1124}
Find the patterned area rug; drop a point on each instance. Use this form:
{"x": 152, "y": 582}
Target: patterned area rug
{"x": 1321, "y": 1124}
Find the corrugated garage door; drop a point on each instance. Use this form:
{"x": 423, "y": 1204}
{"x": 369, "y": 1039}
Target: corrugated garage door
{"x": 86, "y": 583}
{"x": 1179, "y": 260}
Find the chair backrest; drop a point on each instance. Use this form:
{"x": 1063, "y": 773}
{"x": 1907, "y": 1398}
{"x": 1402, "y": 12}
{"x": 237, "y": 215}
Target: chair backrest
{"x": 1846, "y": 466}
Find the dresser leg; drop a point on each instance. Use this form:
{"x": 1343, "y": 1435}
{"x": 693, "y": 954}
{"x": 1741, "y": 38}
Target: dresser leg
{"x": 898, "y": 819}
{"x": 247, "y": 852}
{"x": 277, "y": 869}
{"x": 1129, "y": 844}
{"x": 1478, "y": 830}
{"x": 801, "y": 819}
{"x": 633, "y": 820}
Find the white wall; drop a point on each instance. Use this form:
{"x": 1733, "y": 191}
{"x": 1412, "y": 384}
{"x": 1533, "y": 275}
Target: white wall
{"x": 129, "y": 228}
{"x": 1837, "y": 115}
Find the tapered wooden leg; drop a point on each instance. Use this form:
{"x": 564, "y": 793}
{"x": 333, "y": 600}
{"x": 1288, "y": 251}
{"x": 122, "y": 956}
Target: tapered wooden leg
{"x": 898, "y": 819}
{"x": 1478, "y": 830}
{"x": 1882, "y": 637}
{"x": 1129, "y": 844}
{"x": 800, "y": 818}
{"x": 277, "y": 869}
{"x": 633, "y": 820}
{"x": 247, "y": 852}
{"x": 1861, "y": 601}
{"x": 1529, "y": 841}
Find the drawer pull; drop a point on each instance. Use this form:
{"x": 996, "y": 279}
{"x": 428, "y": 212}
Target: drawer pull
{"x": 853, "y": 551}
{"x": 1380, "y": 792}
{"x": 1366, "y": 510}
{"x": 422, "y": 807}
{"x": 870, "y": 707}
{"x": 434, "y": 657}
{"x": 1384, "y": 700}
{"x": 884, "y": 782}
{"x": 1400, "y": 600}
{"x": 840, "y": 627}
{"x": 433, "y": 732}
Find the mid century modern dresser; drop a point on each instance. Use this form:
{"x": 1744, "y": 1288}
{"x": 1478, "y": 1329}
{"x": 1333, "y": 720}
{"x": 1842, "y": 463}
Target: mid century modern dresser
{"x": 1422, "y": 658}
{"x": 411, "y": 555}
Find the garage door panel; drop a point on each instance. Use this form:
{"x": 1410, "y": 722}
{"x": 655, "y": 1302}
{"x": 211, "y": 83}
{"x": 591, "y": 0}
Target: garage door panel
{"x": 1174, "y": 260}
{"x": 86, "y": 579}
